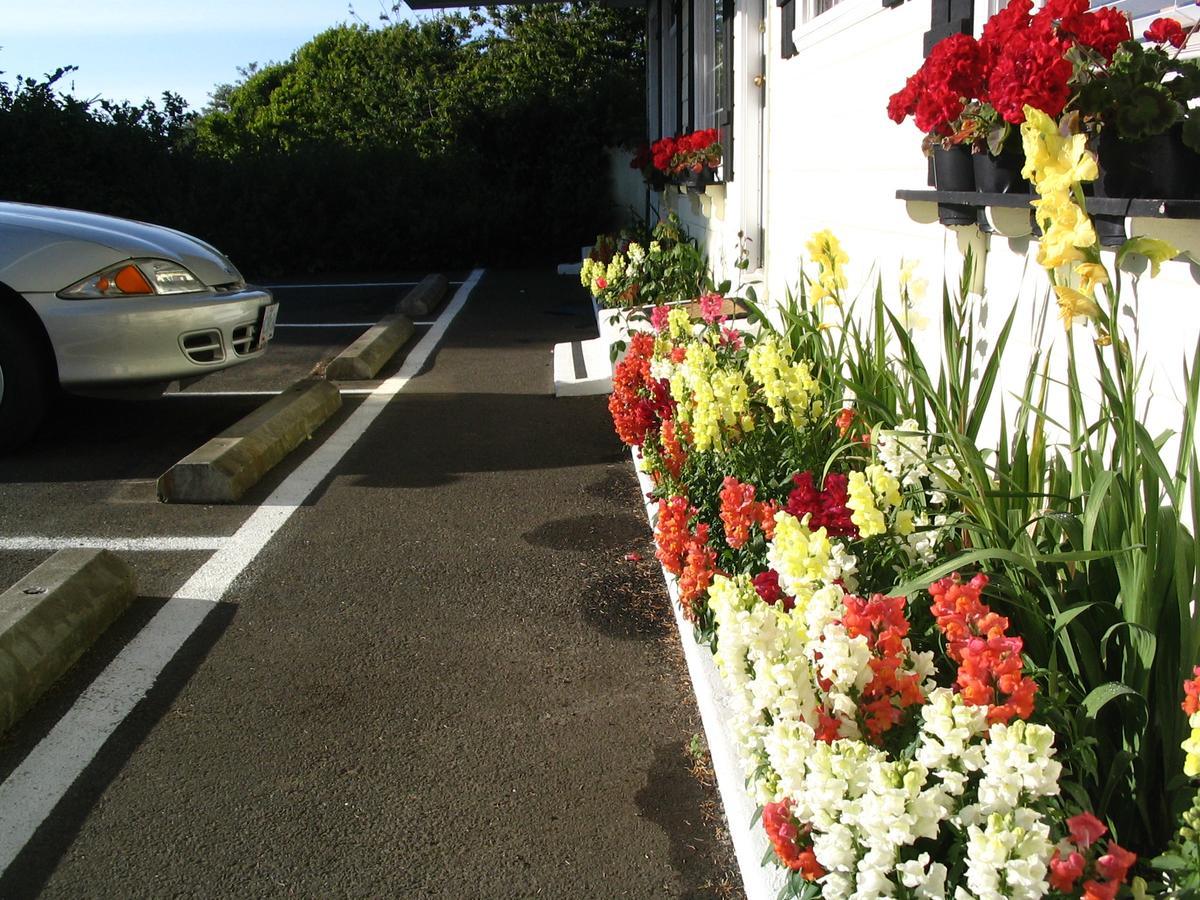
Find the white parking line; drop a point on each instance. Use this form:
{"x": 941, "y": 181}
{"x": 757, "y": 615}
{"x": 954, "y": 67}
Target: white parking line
{"x": 325, "y": 324}
{"x": 35, "y": 787}
{"x": 353, "y": 392}
{"x": 361, "y": 284}
{"x": 132, "y": 545}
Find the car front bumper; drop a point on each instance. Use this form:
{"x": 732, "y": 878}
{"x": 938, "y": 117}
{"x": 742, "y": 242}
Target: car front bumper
{"x": 133, "y": 340}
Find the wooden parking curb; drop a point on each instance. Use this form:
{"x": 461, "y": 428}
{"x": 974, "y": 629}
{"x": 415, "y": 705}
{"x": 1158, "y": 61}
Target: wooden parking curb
{"x": 51, "y": 616}
{"x": 425, "y": 297}
{"x": 366, "y": 356}
{"x": 231, "y": 463}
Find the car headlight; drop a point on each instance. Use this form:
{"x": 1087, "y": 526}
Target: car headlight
{"x": 136, "y": 278}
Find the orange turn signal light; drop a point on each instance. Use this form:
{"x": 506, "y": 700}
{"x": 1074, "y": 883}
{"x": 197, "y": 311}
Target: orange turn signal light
{"x": 130, "y": 280}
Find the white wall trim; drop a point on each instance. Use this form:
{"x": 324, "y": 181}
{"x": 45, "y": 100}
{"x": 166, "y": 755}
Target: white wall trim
{"x": 845, "y": 15}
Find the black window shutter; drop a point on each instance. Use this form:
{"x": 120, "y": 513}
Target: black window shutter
{"x": 949, "y": 17}
{"x": 787, "y": 9}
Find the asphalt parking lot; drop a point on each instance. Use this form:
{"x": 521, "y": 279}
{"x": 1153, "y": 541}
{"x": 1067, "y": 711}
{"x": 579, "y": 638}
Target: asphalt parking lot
{"x": 430, "y": 655}
{"x": 92, "y": 470}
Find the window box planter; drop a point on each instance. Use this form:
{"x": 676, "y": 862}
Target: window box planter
{"x": 1012, "y": 216}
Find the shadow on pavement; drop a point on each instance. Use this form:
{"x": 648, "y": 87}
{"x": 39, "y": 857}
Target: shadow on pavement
{"x": 32, "y": 868}
{"x": 447, "y": 435}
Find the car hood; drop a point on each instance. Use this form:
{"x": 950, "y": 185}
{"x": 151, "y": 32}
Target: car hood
{"x": 44, "y": 248}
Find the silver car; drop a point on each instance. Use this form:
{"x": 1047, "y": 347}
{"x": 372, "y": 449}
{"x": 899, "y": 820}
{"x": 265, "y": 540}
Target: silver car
{"x": 92, "y": 302}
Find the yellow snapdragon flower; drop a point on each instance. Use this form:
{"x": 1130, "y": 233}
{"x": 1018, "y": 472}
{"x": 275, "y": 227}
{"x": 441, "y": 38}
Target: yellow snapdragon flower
{"x": 801, "y": 557}
{"x": 872, "y": 494}
{"x": 679, "y": 323}
{"x": 1191, "y": 746}
{"x": 788, "y": 387}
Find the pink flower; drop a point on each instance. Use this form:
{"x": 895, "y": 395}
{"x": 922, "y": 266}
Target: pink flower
{"x": 602, "y": 282}
{"x": 658, "y": 318}
{"x": 1086, "y": 829}
{"x": 710, "y": 307}
{"x": 731, "y": 337}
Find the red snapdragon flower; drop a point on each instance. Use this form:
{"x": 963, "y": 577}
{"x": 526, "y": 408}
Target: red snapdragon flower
{"x": 826, "y": 508}
{"x": 785, "y": 835}
{"x": 1065, "y": 871}
{"x": 1166, "y": 30}
{"x": 882, "y": 621}
{"x": 738, "y": 511}
{"x": 1103, "y": 874}
{"x": 671, "y": 452}
{"x": 766, "y": 584}
{"x": 990, "y": 669}
{"x": 700, "y": 565}
{"x": 1085, "y": 829}
{"x": 671, "y": 532}
{"x": 638, "y": 403}
{"x": 1191, "y": 690}
{"x": 658, "y": 318}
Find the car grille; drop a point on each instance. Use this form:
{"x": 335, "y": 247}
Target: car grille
{"x": 203, "y": 347}
{"x": 244, "y": 337}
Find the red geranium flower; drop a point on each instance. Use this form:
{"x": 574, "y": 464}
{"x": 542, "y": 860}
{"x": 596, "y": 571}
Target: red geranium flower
{"x": 1166, "y": 31}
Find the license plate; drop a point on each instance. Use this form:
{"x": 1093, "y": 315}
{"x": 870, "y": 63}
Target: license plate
{"x": 266, "y": 328}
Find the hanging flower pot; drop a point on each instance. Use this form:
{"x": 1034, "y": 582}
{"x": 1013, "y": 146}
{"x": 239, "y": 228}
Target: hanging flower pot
{"x": 952, "y": 169}
{"x": 1159, "y": 167}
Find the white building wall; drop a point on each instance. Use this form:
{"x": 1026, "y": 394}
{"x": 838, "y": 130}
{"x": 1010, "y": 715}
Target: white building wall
{"x": 833, "y": 160}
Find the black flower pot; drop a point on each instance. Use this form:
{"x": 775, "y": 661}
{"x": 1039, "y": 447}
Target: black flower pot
{"x": 1001, "y": 174}
{"x": 952, "y": 169}
{"x": 698, "y": 181}
{"x": 1161, "y": 167}
{"x": 657, "y": 181}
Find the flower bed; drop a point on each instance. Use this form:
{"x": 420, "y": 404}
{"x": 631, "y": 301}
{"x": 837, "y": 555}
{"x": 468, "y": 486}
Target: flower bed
{"x": 950, "y": 670}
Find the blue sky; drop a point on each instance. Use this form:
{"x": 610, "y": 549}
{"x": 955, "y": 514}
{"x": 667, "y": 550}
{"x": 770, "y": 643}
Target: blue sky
{"x": 134, "y": 49}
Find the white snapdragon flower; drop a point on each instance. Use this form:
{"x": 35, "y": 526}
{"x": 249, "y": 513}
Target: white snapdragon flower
{"x": 845, "y": 661}
{"x": 925, "y": 878}
{"x": 842, "y": 565}
{"x": 923, "y": 542}
{"x": 948, "y": 728}
{"x": 1007, "y": 856}
{"x": 903, "y": 452}
{"x": 1017, "y": 765}
{"x": 637, "y": 253}
{"x": 788, "y": 745}
{"x": 836, "y": 886}
{"x": 834, "y": 849}
{"x": 662, "y": 369}
{"x": 826, "y": 605}
{"x": 942, "y": 471}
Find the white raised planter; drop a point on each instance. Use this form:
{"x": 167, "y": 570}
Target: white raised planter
{"x": 715, "y": 703}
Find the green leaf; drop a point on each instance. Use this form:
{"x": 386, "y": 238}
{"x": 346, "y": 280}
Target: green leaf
{"x": 1153, "y": 249}
{"x": 1168, "y": 862}
{"x": 1101, "y": 696}
{"x": 1071, "y": 613}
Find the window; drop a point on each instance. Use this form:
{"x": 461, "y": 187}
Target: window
{"x": 690, "y": 66}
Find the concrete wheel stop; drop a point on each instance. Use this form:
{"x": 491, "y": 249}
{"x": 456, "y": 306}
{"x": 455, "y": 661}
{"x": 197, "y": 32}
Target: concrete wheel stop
{"x": 425, "y": 297}
{"x": 51, "y": 616}
{"x": 366, "y": 356}
{"x": 230, "y": 464}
